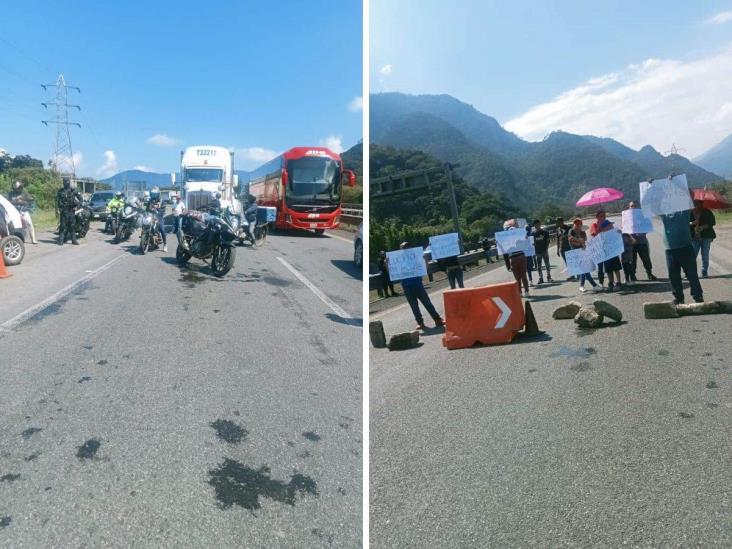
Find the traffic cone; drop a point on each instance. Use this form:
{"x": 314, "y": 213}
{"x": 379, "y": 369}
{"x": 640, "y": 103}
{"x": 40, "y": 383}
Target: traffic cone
{"x": 3, "y": 271}
{"x": 531, "y": 328}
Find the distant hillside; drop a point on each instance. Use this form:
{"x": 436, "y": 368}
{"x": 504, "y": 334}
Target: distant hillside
{"x": 558, "y": 169}
{"x": 151, "y": 179}
{"x": 719, "y": 158}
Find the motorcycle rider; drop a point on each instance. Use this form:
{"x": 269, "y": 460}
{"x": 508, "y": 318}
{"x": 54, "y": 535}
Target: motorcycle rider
{"x": 250, "y": 214}
{"x": 114, "y": 205}
{"x": 154, "y": 206}
{"x": 178, "y": 210}
{"x": 18, "y": 196}
{"x": 67, "y": 200}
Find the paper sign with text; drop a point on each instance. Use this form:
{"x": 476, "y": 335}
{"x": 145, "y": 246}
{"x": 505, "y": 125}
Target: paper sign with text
{"x": 406, "y": 264}
{"x": 635, "y": 222}
{"x": 579, "y": 262}
{"x": 444, "y": 245}
{"x": 510, "y": 241}
{"x": 665, "y": 196}
{"x": 605, "y": 246}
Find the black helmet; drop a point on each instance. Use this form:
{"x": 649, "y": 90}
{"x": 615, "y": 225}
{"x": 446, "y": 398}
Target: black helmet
{"x": 118, "y": 194}
{"x": 155, "y": 194}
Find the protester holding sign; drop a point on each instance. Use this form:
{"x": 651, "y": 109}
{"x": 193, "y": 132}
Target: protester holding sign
{"x": 415, "y": 292}
{"x": 386, "y": 283}
{"x": 541, "y": 247}
{"x": 611, "y": 266}
{"x": 517, "y": 262}
{"x": 680, "y": 255}
{"x": 577, "y": 238}
{"x": 453, "y": 269}
{"x": 702, "y": 230}
{"x": 641, "y": 248}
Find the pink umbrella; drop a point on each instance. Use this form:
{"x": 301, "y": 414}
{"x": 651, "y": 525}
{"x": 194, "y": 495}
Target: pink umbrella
{"x": 598, "y": 196}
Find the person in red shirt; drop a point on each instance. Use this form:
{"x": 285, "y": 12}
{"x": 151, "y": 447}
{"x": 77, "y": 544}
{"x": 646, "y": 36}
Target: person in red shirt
{"x": 611, "y": 266}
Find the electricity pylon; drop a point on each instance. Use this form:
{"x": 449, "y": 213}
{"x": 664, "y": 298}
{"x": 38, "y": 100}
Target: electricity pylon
{"x": 63, "y": 155}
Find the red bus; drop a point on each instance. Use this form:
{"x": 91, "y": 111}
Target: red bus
{"x": 304, "y": 184}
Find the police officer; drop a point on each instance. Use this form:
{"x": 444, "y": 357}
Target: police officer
{"x": 67, "y": 200}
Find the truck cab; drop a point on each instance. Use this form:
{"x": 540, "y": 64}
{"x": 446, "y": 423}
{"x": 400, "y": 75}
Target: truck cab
{"x": 204, "y": 171}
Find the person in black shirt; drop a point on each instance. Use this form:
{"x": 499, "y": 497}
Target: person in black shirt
{"x": 541, "y": 248}
{"x": 702, "y": 233}
{"x": 453, "y": 269}
{"x": 386, "y": 283}
{"x": 563, "y": 240}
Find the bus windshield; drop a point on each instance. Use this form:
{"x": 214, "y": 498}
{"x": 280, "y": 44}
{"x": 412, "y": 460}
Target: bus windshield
{"x": 203, "y": 174}
{"x": 313, "y": 181}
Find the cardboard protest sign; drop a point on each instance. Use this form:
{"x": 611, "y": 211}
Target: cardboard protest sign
{"x": 605, "y": 246}
{"x": 509, "y": 241}
{"x": 444, "y": 245}
{"x": 406, "y": 264}
{"x": 579, "y": 262}
{"x": 635, "y": 222}
{"x": 665, "y": 196}
{"x": 527, "y": 246}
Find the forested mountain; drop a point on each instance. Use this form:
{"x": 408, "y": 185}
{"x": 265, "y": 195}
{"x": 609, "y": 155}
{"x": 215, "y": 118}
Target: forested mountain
{"x": 558, "y": 169}
{"x": 415, "y": 217}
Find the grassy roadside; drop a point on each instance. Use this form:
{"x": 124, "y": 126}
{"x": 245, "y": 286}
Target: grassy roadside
{"x": 44, "y": 220}
{"x": 723, "y": 217}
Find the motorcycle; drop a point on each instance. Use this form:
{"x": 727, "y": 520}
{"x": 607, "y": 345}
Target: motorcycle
{"x": 207, "y": 236}
{"x": 83, "y": 215}
{"x": 110, "y": 225}
{"x": 254, "y": 232}
{"x": 127, "y": 222}
{"x": 150, "y": 238}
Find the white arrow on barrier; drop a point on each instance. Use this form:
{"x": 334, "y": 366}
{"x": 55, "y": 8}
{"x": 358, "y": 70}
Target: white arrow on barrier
{"x": 505, "y": 312}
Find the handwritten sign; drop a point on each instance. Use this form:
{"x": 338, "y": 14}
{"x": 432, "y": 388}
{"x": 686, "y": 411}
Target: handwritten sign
{"x": 510, "y": 241}
{"x": 406, "y": 264}
{"x": 665, "y": 196}
{"x": 527, "y": 246}
{"x": 605, "y": 246}
{"x": 579, "y": 262}
{"x": 635, "y": 222}
{"x": 444, "y": 245}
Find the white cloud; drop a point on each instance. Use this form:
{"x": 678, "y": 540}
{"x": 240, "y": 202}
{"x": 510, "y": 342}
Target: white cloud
{"x": 162, "y": 140}
{"x": 110, "y": 165}
{"x": 63, "y": 164}
{"x": 657, "y": 102}
{"x": 249, "y": 158}
{"x": 721, "y": 18}
{"x": 143, "y": 168}
{"x": 385, "y": 70}
{"x": 356, "y": 104}
{"x": 333, "y": 142}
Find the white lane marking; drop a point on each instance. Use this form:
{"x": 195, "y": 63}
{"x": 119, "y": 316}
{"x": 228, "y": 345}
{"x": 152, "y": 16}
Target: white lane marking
{"x": 505, "y": 312}
{"x": 324, "y": 298}
{"x": 339, "y": 238}
{"x": 62, "y": 293}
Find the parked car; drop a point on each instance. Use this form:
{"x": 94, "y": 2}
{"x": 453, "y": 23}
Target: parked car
{"x": 12, "y": 233}
{"x": 358, "y": 247}
{"x": 98, "y": 204}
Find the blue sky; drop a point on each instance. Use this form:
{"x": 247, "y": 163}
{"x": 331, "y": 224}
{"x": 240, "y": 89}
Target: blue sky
{"x": 655, "y": 72}
{"x": 257, "y": 76}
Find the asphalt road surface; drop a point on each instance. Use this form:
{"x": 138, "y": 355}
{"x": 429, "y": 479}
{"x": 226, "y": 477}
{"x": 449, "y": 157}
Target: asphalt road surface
{"x": 145, "y": 405}
{"x": 606, "y": 438}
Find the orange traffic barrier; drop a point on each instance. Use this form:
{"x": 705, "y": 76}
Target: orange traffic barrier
{"x": 488, "y": 314}
{"x": 3, "y": 271}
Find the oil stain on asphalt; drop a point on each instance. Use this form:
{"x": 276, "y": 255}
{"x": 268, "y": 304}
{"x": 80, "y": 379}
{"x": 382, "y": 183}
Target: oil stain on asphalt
{"x": 30, "y": 431}
{"x": 229, "y": 431}
{"x": 311, "y": 436}
{"x": 569, "y": 352}
{"x": 5, "y": 521}
{"x": 89, "y": 449}
{"x": 238, "y": 484}
{"x": 10, "y": 477}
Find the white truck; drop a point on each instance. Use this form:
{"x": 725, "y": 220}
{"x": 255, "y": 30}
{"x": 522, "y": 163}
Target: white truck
{"x": 205, "y": 170}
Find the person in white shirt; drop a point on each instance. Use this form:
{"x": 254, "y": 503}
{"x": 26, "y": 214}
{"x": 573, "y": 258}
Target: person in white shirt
{"x": 178, "y": 210}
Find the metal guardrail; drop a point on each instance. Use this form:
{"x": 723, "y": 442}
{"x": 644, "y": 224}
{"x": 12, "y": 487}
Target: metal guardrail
{"x": 352, "y": 213}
